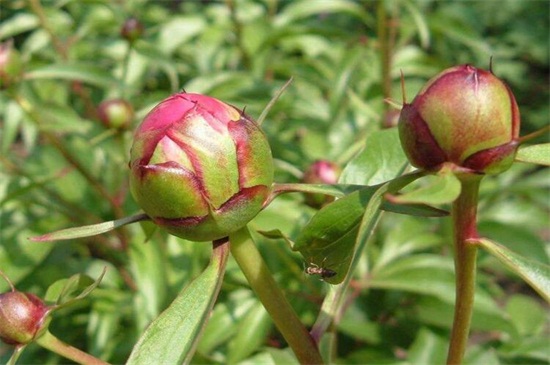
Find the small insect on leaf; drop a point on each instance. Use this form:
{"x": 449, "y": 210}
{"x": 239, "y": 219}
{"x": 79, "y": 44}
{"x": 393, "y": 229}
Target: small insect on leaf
{"x": 324, "y": 273}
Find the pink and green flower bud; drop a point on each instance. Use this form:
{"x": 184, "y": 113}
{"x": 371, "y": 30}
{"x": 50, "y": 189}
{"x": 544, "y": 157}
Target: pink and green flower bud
{"x": 200, "y": 168}
{"x": 321, "y": 172}
{"x": 11, "y": 66}
{"x": 464, "y": 116}
{"x": 22, "y": 317}
{"x": 116, "y": 113}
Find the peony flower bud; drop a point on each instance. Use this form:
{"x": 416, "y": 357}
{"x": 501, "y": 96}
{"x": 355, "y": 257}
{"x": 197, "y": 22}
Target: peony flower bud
{"x": 131, "y": 30}
{"x": 200, "y": 168}
{"x": 321, "y": 172}
{"x": 21, "y": 317}
{"x": 11, "y": 66}
{"x": 116, "y": 113}
{"x": 465, "y": 116}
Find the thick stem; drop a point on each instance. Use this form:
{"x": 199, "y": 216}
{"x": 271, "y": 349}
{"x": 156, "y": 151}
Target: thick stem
{"x": 261, "y": 280}
{"x": 52, "y": 343}
{"x": 464, "y": 229}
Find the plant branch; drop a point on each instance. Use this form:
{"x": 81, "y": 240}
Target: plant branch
{"x": 58, "y": 144}
{"x": 463, "y": 213}
{"x": 535, "y": 134}
{"x": 261, "y": 280}
{"x": 37, "y": 9}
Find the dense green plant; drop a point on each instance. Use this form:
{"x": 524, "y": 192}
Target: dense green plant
{"x": 78, "y": 77}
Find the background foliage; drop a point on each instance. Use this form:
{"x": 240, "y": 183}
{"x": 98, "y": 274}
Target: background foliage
{"x": 60, "y": 167}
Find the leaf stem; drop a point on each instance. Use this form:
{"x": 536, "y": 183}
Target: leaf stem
{"x": 52, "y": 343}
{"x": 261, "y": 280}
{"x": 463, "y": 213}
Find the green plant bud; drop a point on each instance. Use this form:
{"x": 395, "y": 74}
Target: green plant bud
{"x": 22, "y": 316}
{"x": 116, "y": 113}
{"x": 321, "y": 172}
{"x": 11, "y": 66}
{"x": 200, "y": 168}
{"x": 464, "y": 116}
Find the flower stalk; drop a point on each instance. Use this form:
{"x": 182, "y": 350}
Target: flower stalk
{"x": 464, "y": 211}
{"x": 52, "y": 343}
{"x": 261, "y": 280}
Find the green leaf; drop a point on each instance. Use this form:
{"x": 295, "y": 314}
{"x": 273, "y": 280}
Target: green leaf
{"x": 62, "y": 292}
{"x": 381, "y": 160}
{"x": 420, "y": 21}
{"x": 538, "y": 154}
{"x": 17, "y": 258}
{"x": 536, "y": 274}
{"x": 186, "y": 27}
{"x": 17, "y": 24}
{"x": 532, "y": 347}
{"x": 277, "y": 234}
{"x": 419, "y": 210}
{"x": 436, "y": 189}
{"x": 148, "y": 267}
{"x": 88, "y": 73}
{"x": 328, "y": 240}
{"x": 87, "y": 231}
{"x": 173, "y": 336}
{"x": 298, "y": 10}
{"x": 251, "y": 334}
{"x": 428, "y": 348}
{"x": 527, "y": 314}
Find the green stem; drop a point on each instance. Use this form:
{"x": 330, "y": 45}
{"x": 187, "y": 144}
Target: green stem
{"x": 261, "y": 280}
{"x": 36, "y": 8}
{"x": 52, "y": 343}
{"x": 464, "y": 229}
{"x": 383, "y": 41}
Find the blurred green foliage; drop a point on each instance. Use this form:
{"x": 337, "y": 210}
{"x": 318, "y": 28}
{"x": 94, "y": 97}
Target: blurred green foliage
{"x": 61, "y": 167}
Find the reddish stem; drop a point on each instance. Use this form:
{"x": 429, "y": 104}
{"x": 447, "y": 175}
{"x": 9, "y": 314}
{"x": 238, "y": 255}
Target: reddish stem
{"x": 463, "y": 213}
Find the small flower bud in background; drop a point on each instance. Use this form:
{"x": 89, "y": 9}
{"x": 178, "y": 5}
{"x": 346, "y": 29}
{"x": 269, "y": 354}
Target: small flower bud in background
{"x": 321, "y": 172}
{"x": 116, "y": 113}
{"x": 11, "y": 66}
{"x": 131, "y": 30}
{"x": 21, "y": 317}
{"x": 200, "y": 168}
{"x": 465, "y": 116}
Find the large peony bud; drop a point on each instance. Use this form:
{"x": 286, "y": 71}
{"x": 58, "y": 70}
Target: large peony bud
{"x": 465, "y": 116}
{"x": 22, "y": 316}
{"x": 200, "y": 168}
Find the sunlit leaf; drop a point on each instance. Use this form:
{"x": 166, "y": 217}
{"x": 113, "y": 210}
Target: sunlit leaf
{"x": 537, "y": 154}
{"x": 91, "y": 230}
{"x": 534, "y": 273}
{"x": 173, "y": 336}
{"x": 88, "y": 73}
{"x": 66, "y": 291}
{"x": 381, "y": 160}
{"x": 434, "y": 189}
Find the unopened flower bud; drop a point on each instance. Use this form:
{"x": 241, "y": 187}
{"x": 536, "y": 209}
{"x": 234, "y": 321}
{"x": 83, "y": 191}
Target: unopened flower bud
{"x": 131, "y": 30}
{"x": 321, "y": 172}
{"x": 464, "y": 116}
{"x": 200, "y": 168}
{"x": 116, "y": 113}
{"x": 11, "y": 66}
{"x": 22, "y": 316}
